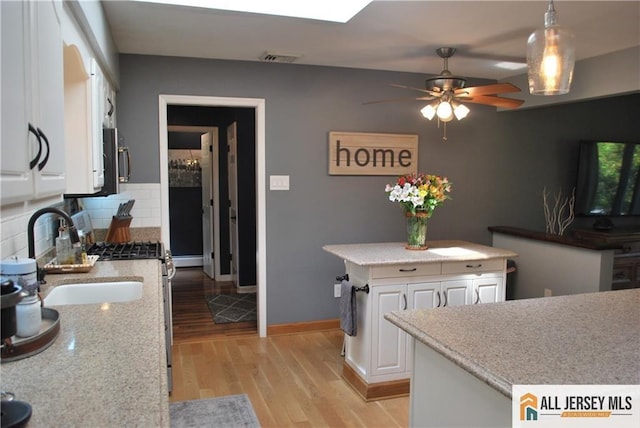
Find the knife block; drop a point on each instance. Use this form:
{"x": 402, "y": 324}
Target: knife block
{"x": 118, "y": 232}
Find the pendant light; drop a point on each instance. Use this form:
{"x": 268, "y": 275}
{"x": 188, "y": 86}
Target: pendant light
{"x": 550, "y": 57}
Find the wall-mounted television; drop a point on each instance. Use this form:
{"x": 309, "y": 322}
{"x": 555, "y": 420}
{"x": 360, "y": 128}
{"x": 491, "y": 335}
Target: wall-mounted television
{"x": 608, "y": 182}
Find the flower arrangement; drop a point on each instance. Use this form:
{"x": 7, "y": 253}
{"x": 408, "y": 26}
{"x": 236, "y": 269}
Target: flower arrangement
{"x": 419, "y": 192}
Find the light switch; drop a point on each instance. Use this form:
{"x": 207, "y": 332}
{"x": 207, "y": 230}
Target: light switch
{"x": 278, "y": 182}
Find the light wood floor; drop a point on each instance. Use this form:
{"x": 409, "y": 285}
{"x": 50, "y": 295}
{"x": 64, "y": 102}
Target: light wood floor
{"x": 291, "y": 380}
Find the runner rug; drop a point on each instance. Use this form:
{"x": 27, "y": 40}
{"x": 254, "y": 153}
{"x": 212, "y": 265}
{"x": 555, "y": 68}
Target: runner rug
{"x": 229, "y": 412}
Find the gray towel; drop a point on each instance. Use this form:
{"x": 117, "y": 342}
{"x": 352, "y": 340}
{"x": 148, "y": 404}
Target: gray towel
{"x": 348, "y": 316}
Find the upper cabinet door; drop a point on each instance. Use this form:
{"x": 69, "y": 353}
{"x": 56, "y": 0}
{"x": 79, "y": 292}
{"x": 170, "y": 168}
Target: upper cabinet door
{"x": 32, "y": 143}
{"x": 48, "y": 81}
{"x": 16, "y": 179}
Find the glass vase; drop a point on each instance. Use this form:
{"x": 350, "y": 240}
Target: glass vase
{"x": 417, "y": 231}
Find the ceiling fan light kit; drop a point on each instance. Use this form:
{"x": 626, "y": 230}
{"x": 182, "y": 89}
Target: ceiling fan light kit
{"x": 446, "y": 94}
{"x": 550, "y": 57}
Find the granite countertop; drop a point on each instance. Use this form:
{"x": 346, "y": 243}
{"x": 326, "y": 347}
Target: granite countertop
{"x": 579, "y": 339}
{"x": 107, "y": 367}
{"x": 389, "y": 253}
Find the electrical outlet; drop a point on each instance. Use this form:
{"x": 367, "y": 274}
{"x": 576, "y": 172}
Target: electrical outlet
{"x": 337, "y": 290}
{"x": 548, "y": 292}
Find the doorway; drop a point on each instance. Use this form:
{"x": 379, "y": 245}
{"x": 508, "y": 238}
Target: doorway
{"x": 260, "y": 177}
{"x": 193, "y": 152}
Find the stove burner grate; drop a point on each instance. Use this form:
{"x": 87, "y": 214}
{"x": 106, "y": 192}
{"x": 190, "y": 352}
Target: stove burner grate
{"x": 126, "y": 251}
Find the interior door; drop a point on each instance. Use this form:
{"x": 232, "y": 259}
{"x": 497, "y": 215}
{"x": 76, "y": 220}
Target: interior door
{"x": 206, "y": 162}
{"x": 232, "y": 169}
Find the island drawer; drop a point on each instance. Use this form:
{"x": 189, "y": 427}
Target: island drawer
{"x": 473, "y": 266}
{"x": 405, "y": 270}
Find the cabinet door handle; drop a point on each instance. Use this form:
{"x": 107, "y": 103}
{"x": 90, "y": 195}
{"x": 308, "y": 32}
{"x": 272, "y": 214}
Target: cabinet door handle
{"x": 444, "y": 293}
{"x": 127, "y": 155}
{"x": 477, "y": 297}
{"x": 110, "y": 112}
{"x": 34, "y": 161}
{"x": 439, "y": 299}
{"x": 404, "y": 297}
{"x": 46, "y": 158}
{"x": 408, "y": 270}
{"x": 475, "y": 266}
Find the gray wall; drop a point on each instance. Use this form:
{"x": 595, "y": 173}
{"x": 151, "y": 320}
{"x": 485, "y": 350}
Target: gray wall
{"x": 498, "y": 162}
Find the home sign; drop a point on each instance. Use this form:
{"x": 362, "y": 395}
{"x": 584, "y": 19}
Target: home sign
{"x": 358, "y": 153}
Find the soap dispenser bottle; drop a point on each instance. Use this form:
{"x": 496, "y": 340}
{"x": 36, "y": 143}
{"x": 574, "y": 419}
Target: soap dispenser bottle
{"x": 64, "y": 251}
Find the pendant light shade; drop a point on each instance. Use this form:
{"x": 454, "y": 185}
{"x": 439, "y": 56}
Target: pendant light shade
{"x": 428, "y": 111}
{"x": 445, "y": 111}
{"x": 550, "y": 57}
{"x": 461, "y": 111}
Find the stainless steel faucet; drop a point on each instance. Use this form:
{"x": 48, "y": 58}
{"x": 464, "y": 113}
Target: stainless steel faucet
{"x": 73, "y": 232}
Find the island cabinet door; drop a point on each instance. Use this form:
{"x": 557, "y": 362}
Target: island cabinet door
{"x": 388, "y": 343}
{"x": 488, "y": 290}
{"x": 424, "y": 295}
{"x": 456, "y": 292}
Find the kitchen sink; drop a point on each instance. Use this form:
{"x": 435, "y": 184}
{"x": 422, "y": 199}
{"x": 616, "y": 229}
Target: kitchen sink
{"x": 94, "y": 292}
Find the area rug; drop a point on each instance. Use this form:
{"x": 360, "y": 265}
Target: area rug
{"x": 227, "y": 308}
{"x": 229, "y": 412}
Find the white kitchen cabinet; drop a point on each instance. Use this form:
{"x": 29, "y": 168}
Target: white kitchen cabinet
{"x": 439, "y": 294}
{"x": 388, "y": 345}
{"x": 391, "y": 351}
{"x": 83, "y": 133}
{"x": 488, "y": 290}
{"x": 32, "y": 145}
{"x": 378, "y": 359}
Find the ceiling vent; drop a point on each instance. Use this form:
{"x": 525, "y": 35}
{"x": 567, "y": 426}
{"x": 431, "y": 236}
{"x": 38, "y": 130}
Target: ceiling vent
{"x": 278, "y": 57}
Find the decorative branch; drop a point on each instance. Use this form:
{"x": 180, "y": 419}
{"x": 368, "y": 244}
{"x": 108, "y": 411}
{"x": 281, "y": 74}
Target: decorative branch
{"x": 559, "y": 216}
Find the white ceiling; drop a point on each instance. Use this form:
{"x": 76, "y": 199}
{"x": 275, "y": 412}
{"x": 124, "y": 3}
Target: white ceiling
{"x": 386, "y": 35}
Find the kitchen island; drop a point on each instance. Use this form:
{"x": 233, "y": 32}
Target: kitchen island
{"x": 474, "y": 354}
{"x": 390, "y": 277}
{"x": 107, "y": 367}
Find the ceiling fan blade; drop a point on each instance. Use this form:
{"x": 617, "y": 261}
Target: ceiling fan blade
{"x": 433, "y": 93}
{"x": 497, "y": 88}
{"x": 393, "y": 100}
{"x": 492, "y": 100}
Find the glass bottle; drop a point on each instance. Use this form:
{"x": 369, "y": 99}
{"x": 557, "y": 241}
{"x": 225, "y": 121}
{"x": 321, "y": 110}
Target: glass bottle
{"x": 28, "y": 316}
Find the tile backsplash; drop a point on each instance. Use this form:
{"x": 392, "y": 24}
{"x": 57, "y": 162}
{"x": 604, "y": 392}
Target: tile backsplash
{"x": 145, "y": 213}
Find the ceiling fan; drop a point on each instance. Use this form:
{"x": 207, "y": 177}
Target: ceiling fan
{"x": 447, "y": 93}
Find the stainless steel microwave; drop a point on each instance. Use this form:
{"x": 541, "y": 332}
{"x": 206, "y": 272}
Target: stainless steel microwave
{"x": 117, "y": 162}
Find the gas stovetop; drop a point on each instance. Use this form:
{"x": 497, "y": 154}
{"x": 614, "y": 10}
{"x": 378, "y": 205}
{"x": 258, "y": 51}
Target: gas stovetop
{"x": 127, "y": 251}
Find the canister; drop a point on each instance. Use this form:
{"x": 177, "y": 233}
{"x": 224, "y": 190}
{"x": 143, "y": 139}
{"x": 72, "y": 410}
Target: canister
{"x": 28, "y": 316}
{"x": 21, "y": 271}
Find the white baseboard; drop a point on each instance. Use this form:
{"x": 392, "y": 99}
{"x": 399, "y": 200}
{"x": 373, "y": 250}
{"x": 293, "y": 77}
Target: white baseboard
{"x": 246, "y": 289}
{"x": 187, "y": 261}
